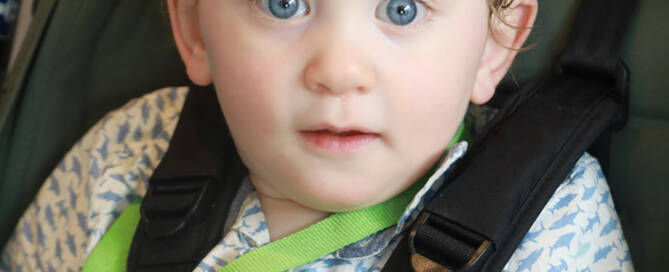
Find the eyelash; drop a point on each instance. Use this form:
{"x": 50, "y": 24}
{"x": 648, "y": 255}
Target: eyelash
{"x": 427, "y": 18}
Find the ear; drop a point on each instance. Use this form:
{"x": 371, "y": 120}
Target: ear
{"x": 184, "y": 18}
{"x": 504, "y": 41}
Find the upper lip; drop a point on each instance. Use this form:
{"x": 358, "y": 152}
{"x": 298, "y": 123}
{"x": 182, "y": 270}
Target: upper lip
{"x": 338, "y": 128}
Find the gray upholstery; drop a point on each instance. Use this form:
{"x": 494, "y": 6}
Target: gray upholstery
{"x": 93, "y": 56}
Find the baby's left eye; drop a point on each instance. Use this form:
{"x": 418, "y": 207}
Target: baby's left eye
{"x": 283, "y": 9}
{"x": 400, "y": 12}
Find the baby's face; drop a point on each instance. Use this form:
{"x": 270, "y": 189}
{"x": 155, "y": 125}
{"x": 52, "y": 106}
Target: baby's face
{"x": 340, "y": 105}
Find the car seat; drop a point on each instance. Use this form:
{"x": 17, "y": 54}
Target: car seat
{"x": 81, "y": 59}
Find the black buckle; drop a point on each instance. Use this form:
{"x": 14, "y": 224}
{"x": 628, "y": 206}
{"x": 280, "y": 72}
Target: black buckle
{"x": 189, "y": 201}
{"x": 434, "y": 255}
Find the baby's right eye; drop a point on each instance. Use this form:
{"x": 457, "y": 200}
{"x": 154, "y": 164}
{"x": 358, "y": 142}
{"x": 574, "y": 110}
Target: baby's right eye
{"x": 283, "y": 9}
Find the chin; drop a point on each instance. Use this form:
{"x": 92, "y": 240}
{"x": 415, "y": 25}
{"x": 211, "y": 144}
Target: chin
{"x": 339, "y": 194}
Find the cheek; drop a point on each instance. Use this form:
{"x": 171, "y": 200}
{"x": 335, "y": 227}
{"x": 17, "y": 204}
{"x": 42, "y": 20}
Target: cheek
{"x": 432, "y": 99}
{"x": 248, "y": 99}
{"x": 428, "y": 116}
{"x": 246, "y": 81}
{"x": 245, "y": 103}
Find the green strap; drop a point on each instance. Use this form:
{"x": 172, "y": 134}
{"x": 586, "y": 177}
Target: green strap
{"x": 323, "y": 237}
{"x": 304, "y": 246}
{"x": 329, "y": 234}
{"x": 111, "y": 253}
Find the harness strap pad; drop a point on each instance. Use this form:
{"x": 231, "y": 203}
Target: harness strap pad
{"x": 190, "y": 192}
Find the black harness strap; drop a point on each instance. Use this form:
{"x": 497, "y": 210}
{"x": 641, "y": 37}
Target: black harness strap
{"x": 593, "y": 50}
{"x": 594, "y": 44}
{"x": 189, "y": 195}
{"x": 478, "y": 218}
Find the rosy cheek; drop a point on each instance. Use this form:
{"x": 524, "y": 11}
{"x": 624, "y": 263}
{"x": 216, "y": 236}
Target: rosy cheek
{"x": 426, "y": 107}
{"x": 245, "y": 94}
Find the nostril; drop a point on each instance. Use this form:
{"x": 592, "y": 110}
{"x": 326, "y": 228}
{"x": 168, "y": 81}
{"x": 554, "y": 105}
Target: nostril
{"x": 322, "y": 88}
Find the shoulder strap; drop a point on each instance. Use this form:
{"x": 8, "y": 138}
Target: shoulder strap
{"x": 478, "y": 218}
{"x": 184, "y": 210}
{"x": 593, "y": 51}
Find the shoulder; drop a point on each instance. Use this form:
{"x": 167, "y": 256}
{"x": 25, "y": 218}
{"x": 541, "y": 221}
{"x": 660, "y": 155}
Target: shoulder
{"x": 127, "y": 143}
{"x": 578, "y": 228}
{"x": 94, "y": 182}
{"x": 118, "y": 155}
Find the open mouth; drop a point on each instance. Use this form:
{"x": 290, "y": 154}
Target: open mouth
{"x": 344, "y": 141}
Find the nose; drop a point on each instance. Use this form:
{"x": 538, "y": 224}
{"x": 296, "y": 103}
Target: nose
{"x": 337, "y": 71}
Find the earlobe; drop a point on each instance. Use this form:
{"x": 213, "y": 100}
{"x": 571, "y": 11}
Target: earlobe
{"x": 484, "y": 87}
{"x": 198, "y": 69}
{"x": 505, "y": 39}
{"x": 184, "y": 19}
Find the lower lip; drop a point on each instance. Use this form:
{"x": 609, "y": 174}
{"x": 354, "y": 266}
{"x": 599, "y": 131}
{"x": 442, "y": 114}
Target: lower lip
{"x": 338, "y": 143}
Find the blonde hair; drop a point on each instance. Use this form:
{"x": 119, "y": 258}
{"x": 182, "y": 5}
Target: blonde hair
{"x": 497, "y": 15}
{"x": 497, "y": 9}
{"x": 498, "y": 6}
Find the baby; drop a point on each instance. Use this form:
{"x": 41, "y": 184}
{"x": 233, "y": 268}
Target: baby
{"x": 333, "y": 106}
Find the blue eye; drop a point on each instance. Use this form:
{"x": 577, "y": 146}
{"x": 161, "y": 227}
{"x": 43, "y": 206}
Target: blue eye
{"x": 284, "y": 9}
{"x": 400, "y": 12}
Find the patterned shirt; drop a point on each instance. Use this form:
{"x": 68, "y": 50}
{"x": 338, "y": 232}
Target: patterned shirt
{"x": 109, "y": 167}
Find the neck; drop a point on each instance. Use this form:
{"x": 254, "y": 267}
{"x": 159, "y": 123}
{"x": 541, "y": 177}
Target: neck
{"x": 285, "y": 217}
